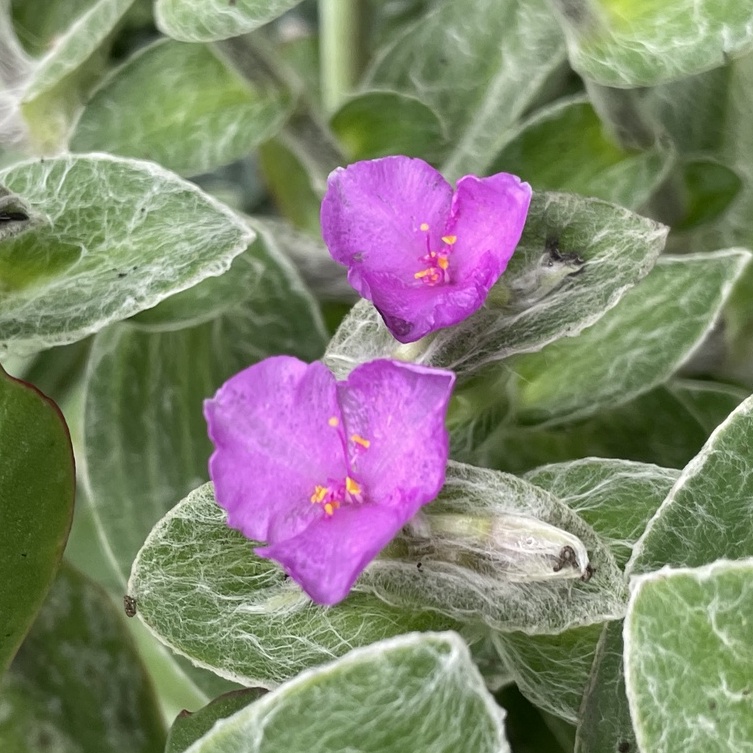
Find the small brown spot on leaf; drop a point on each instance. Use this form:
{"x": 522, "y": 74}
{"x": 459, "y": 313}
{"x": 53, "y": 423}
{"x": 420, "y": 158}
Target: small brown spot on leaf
{"x": 129, "y": 604}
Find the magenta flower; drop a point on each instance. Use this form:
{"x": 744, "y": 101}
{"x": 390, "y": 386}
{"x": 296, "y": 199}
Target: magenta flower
{"x": 327, "y": 472}
{"x": 425, "y": 256}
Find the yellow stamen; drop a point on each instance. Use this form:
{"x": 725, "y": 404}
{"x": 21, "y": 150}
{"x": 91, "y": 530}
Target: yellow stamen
{"x": 333, "y": 421}
{"x": 423, "y": 273}
{"x": 449, "y": 239}
{"x": 423, "y": 226}
{"x": 320, "y": 492}
{"x": 358, "y": 439}
{"x": 443, "y": 262}
{"x": 330, "y": 507}
{"x": 351, "y": 486}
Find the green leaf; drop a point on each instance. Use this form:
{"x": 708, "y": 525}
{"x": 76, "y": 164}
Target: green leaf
{"x": 238, "y": 613}
{"x": 689, "y": 688}
{"x": 616, "y": 498}
{"x": 380, "y": 123}
{"x": 564, "y": 148}
{"x": 261, "y": 287}
{"x": 709, "y": 402}
{"x": 187, "y": 728}
{"x": 637, "y": 345}
{"x": 77, "y": 684}
{"x": 37, "y": 478}
{"x": 416, "y": 692}
{"x": 121, "y": 236}
{"x": 552, "y": 671}
{"x": 656, "y": 427}
{"x": 526, "y": 310}
{"x": 183, "y": 106}
{"x": 210, "y": 20}
{"x": 73, "y": 60}
{"x": 490, "y": 548}
{"x": 711, "y": 189}
{"x": 625, "y": 44}
{"x": 139, "y": 463}
{"x": 605, "y": 723}
{"x": 706, "y": 515}
{"x": 290, "y": 185}
{"x": 479, "y": 71}
{"x": 76, "y": 44}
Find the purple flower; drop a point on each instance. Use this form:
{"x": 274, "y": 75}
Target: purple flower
{"x": 327, "y": 472}
{"x": 425, "y": 256}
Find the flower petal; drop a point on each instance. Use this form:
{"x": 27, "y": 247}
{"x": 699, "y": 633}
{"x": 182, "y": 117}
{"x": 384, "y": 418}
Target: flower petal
{"x": 372, "y": 215}
{"x": 394, "y": 415}
{"x": 327, "y": 558}
{"x": 412, "y": 312}
{"x": 272, "y": 428}
{"x": 488, "y": 215}
{"x": 389, "y": 221}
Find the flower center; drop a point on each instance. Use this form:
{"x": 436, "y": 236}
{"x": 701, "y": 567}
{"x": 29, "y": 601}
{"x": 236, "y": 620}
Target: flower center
{"x": 437, "y": 269}
{"x": 337, "y": 493}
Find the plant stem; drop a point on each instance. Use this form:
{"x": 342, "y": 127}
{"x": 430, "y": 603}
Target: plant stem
{"x": 339, "y": 24}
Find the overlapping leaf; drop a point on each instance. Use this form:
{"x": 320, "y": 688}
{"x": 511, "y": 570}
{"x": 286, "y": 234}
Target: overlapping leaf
{"x": 636, "y": 345}
{"x": 183, "y": 106}
{"x": 120, "y": 236}
{"x": 201, "y": 589}
{"x": 643, "y": 44}
{"x": 417, "y": 692}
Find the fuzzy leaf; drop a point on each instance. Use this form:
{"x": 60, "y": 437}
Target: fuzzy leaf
{"x": 635, "y": 346}
{"x": 210, "y": 20}
{"x": 689, "y": 688}
{"x": 491, "y": 552}
{"x": 706, "y": 516}
{"x": 120, "y": 236}
{"x": 201, "y": 589}
{"x": 624, "y": 44}
{"x": 478, "y": 71}
{"x": 183, "y": 106}
{"x": 417, "y": 692}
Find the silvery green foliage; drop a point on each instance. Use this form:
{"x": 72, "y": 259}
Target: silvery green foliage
{"x": 416, "y": 692}
{"x": 514, "y": 47}
{"x": 100, "y": 255}
{"x": 201, "y": 589}
{"x": 613, "y": 593}
{"x": 494, "y": 548}
{"x": 675, "y": 701}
